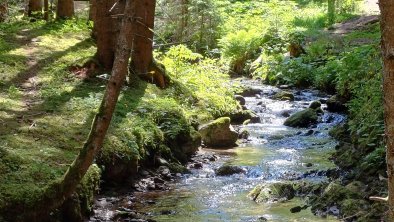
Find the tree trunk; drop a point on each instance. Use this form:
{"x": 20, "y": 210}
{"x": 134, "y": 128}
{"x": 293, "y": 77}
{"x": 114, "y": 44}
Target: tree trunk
{"x": 92, "y": 10}
{"x": 46, "y": 10}
{"x": 142, "y": 63}
{"x": 65, "y": 9}
{"x": 106, "y": 27}
{"x": 3, "y": 10}
{"x": 59, "y": 192}
{"x": 35, "y": 6}
{"x": 387, "y": 29}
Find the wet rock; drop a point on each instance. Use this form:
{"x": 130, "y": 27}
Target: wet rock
{"x": 273, "y": 192}
{"x": 295, "y": 209}
{"x": 163, "y": 170}
{"x": 276, "y": 137}
{"x": 334, "y": 104}
{"x": 161, "y": 161}
{"x": 158, "y": 180}
{"x": 310, "y": 132}
{"x": 284, "y": 87}
{"x": 308, "y": 164}
{"x": 251, "y": 91}
{"x": 227, "y": 170}
{"x": 315, "y": 105}
{"x": 167, "y": 212}
{"x": 284, "y": 96}
{"x": 304, "y": 118}
{"x": 246, "y": 122}
{"x": 219, "y": 133}
{"x": 260, "y": 103}
{"x": 240, "y": 116}
{"x": 285, "y": 113}
{"x": 262, "y": 219}
{"x": 333, "y": 196}
{"x": 197, "y": 165}
{"x": 240, "y": 99}
{"x": 243, "y": 134}
{"x": 255, "y": 119}
{"x": 144, "y": 173}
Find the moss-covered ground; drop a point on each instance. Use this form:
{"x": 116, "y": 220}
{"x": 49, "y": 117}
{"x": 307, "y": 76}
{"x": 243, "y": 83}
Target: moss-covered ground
{"x": 46, "y": 109}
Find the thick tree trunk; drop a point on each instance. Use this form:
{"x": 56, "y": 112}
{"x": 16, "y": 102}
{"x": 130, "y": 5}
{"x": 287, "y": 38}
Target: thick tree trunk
{"x": 35, "y": 6}
{"x": 65, "y": 9}
{"x": 3, "y": 10}
{"x": 142, "y": 63}
{"x": 46, "y": 10}
{"x": 59, "y": 192}
{"x": 92, "y": 10}
{"x": 106, "y": 28}
{"x": 387, "y": 29}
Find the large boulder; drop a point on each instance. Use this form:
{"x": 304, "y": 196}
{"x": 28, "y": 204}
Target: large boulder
{"x": 335, "y": 104}
{"x": 304, "y": 118}
{"x": 272, "y": 192}
{"x": 219, "y": 133}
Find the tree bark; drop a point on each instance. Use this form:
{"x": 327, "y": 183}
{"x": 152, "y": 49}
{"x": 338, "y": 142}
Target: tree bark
{"x": 106, "y": 28}
{"x": 387, "y": 29}
{"x": 142, "y": 63}
{"x": 34, "y": 7}
{"x": 65, "y": 9}
{"x": 3, "y": 10}
{"x": 92, "y": 10}
{"x": 59, "y": 192}
{"x": 46, "y": 10}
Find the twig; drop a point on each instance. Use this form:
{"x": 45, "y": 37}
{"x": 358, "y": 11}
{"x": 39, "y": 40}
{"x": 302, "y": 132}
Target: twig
{"x": 383, "y": 199}
{"x": 350, "y": 217}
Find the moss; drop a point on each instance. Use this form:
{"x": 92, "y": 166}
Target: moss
{"x": 279, "y": 191}
{"x": 89, "y": 185}
{"x": 284, "y": 95}
{"x": 302, "y": 118}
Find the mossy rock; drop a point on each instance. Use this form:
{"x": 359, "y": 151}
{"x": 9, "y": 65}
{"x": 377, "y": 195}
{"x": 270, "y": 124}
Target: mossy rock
{"x": 219, "y": 133}
{"x": 284, "y": 96}
{"x": 251, "y": 91}
{"x": 315, "y": 104}
{"x": 333, "y": 195}
{"x": 241, "y": 116}
{"x": 227, "y": 170}
{"x": 273, "y": 192}
{"x": 304, "y": 118}
{"x": 335, "y": 104}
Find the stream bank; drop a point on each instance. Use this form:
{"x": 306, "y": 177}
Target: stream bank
{"x": 272, "y": 153}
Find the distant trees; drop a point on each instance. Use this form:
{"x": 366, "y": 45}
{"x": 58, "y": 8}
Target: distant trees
{"x": 65, "y": 9}
{"x": 191, "y": 22}
{"x": 387, "y": 29}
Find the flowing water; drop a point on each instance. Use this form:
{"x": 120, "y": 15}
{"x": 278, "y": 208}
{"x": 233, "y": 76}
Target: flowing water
{"x": 273, "y": 153}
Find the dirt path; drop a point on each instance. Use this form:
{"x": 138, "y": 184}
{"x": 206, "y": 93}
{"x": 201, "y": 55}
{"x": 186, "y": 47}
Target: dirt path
{"x": 27, "y": 80}
{"x": 354, "y": 24}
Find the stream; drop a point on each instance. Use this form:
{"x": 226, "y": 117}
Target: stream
{"x": 272, "y": 153}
